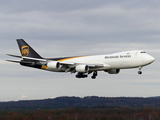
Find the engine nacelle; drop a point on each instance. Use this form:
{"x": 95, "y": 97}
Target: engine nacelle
{"x": 53, "y": 65}
{"x": 82, "y": 68}
{"x": 113, "y": 71}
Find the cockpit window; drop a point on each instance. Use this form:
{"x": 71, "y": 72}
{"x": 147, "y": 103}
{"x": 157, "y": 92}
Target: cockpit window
{"x": 143, "y": 52}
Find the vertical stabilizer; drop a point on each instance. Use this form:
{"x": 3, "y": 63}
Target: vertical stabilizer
{"x": 26, "y": 50}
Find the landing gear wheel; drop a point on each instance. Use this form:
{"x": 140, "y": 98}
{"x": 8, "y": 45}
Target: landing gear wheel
{"x": 95, "y": 73}
{"x": 139, "y": 72}
{"x": 93, "y": 77}
{"x": 81, "y": 75}
{"x": 78, "y": 76}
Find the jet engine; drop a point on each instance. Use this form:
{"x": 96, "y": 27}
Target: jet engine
{"x": 82, "y": 68}
{"x": 53, "y": 65}
{"x": 113, "y": 71}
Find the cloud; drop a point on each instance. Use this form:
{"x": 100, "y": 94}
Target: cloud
{"x": 23, "y": 97}
{"x": 68, "y": 28}
{"x": 98, "y": 21}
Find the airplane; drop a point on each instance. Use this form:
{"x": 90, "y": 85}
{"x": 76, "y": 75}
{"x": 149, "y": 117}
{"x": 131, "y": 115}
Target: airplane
{"x": 83, "y": 65}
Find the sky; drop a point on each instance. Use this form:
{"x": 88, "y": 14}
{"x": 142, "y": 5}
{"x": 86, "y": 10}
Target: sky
{"x": 78, "y": 27}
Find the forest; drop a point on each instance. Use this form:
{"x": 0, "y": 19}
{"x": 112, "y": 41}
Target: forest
{"x": 117, "y": 113}
{"x": 89, "y": 101}
{"x": 87, "y": 108}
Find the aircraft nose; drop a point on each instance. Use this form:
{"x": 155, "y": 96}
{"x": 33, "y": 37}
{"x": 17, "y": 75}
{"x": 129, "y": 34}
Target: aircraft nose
{"x": 152, "y": 59}
{"x": 149, "y": 59}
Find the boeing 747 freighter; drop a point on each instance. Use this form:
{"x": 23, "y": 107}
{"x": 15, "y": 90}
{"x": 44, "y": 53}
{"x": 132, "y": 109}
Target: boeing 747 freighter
{"x": 84, "y": 65}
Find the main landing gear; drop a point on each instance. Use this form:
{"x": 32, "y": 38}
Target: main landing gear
{"x": 140, "y": 72}
{"x": 81, "y": 75}
{"x": 85, "y": 75}
{"x": 94, "y": 75}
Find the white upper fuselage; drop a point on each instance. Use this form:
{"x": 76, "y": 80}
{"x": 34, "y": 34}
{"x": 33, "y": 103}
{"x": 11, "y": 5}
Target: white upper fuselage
{"x": 120, "y": 60}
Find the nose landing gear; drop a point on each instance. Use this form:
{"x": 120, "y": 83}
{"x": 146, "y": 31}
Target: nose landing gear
{"x": 140, "y": 72}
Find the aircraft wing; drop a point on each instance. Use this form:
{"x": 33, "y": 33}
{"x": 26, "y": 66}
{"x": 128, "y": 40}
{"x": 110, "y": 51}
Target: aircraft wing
{"x": 72, "y": 66}
{"x": 95, "y": 65}
{"x": 75, "y": 64}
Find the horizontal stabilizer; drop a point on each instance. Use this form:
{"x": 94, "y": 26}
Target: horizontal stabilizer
{"x": 22, "y": 61}
{"x": 14, "y": 55}
{"x": 13, "y": 61}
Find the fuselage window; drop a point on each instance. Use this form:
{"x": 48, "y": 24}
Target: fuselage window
{"x": 143, "y": 52}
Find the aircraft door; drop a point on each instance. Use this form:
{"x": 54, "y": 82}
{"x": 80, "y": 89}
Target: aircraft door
{"x": 136, "y": 54}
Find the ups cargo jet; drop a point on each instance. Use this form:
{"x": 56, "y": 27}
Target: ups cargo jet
{"x": 83, "y": 65}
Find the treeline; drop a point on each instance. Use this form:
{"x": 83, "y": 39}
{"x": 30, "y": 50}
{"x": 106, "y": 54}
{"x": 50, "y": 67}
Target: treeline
{"x": 86, "y": 102}
{"x": 87, "y": 108}
{"x": 120, "y": 113}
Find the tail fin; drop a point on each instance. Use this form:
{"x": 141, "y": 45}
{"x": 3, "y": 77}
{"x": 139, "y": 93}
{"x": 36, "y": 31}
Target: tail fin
{"x": 26, "y": 50}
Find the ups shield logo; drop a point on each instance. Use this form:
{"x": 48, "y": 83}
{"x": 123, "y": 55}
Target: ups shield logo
{"x": 25, "y": 51}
